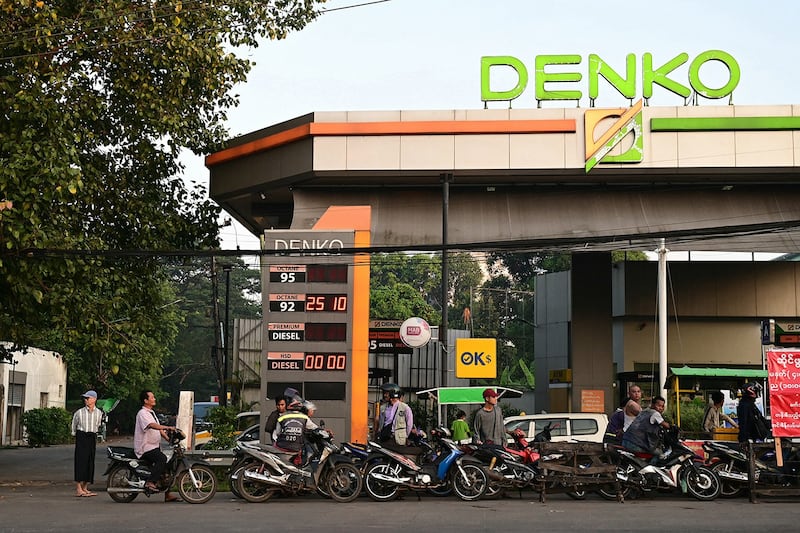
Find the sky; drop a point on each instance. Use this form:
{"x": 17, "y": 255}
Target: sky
{"x": 425, "y": 54}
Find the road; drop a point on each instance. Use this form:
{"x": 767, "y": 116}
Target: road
{"x": 36, "y": 494}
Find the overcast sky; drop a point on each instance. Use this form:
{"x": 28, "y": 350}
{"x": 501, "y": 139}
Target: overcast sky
{"x": 425, "y": 54}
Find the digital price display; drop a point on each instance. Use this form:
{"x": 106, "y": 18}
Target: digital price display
{"x": 308, "y": 303}
{"x": 308, "y": 273}
{"x": 326, "y": 361}
{"x": 314, "y": 332}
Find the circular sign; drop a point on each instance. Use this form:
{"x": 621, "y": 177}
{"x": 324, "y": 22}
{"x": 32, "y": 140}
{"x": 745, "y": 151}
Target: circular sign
{"x": 415, "y": 332}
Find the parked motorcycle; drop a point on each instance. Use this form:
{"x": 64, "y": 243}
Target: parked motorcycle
{"x": 679, "y": 467}
{"x": 128, "y": 474}
{"x": 731, "y": 465}
{"x": 517, "y": 466}
{"x": 272, "y": 470}
{"x": 443, "y": 468}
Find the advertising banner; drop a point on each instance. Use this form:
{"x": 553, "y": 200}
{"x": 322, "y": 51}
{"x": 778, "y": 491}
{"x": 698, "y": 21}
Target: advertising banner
{"x": 784, "y": 391}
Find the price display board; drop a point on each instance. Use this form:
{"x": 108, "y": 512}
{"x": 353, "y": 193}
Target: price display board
{"x": 308, "y": 308}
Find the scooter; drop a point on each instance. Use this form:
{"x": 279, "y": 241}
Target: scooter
{"x": 270, "y": 470}
{"x": 128, "y": 474}
{"x": 389, "y": 472}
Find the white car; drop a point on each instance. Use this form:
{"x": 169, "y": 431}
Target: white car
{"x": 564, "y": 427}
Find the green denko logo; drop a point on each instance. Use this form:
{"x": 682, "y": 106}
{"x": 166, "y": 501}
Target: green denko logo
{"x": 629, "y": 121}
{"x": 598, "y": 68}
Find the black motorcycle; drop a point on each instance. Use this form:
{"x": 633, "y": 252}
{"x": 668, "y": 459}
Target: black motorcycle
{"x": 128, "y": 474}
{"x": 731, "y": 465}
{"x": 678, "y": 468}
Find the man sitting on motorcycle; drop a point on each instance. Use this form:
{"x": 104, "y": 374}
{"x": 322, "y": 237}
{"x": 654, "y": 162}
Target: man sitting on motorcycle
{"x": 290, "y": 431}
{"x": 644, "y": 435}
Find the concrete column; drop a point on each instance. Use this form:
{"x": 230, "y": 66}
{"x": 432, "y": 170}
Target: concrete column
{"x": 591, "y": 354}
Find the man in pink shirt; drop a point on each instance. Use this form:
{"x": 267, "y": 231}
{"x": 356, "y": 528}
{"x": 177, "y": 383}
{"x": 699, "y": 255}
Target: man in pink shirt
{"x": 147, "y": 437}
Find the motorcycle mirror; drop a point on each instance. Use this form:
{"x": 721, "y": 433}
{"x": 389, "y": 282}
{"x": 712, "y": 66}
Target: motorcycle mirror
{"x": 322, "y": 423}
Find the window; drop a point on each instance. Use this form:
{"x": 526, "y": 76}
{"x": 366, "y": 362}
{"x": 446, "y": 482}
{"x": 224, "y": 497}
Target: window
{"x": 558, "y": 426}
{"x": 584, "y": 427}
{"x": 43, "y": 401}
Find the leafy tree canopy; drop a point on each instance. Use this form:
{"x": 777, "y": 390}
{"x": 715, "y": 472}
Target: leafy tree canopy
{"x": 97, "y": 101}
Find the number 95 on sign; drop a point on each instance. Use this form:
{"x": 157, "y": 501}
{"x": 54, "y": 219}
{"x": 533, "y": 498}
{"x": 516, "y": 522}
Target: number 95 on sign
{"x": 476, "y": 358}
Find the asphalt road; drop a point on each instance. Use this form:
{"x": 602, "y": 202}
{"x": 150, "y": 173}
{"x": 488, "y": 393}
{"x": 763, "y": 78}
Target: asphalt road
{"x": 36, "y": 494}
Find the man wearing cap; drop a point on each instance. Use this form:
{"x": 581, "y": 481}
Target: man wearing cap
{"x": 85, "y": 425}
{"x": 489, "y": 427}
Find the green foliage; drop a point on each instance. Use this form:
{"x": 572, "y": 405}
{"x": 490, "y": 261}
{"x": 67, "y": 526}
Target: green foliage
{"x": 400, "y": 285}
{"x": 509, "y": 410}
{"x": 97, "y": 103}
{"x": 424, "y": 418}
{"x": 224, "y": 424}
{"x": 691, "y": 415}
{"x": 47, "y": 426}
{"x": 191, "y": 365}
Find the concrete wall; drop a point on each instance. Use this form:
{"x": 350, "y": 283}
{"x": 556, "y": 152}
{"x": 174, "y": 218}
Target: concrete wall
{"x": 44, "y": 376}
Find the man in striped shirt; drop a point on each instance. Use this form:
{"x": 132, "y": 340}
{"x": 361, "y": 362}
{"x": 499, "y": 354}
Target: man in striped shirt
{"x": 85, "y": 425}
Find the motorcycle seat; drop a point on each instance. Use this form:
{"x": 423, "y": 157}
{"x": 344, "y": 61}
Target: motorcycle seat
{"x": 122, "y": 451}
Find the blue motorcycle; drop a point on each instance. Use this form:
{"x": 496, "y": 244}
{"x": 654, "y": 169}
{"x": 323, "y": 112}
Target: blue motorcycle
{"x": 391, "y": 469}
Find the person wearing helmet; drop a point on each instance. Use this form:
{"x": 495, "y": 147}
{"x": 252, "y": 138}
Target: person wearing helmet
{"x": 290, "y": 430}
{"x": 398, "y": 420}
{"x": 752, "y": 424}
{"x": 380, "y": 408}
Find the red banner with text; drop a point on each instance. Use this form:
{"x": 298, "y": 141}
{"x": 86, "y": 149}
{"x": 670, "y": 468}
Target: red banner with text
{"x": 784, "y": 391}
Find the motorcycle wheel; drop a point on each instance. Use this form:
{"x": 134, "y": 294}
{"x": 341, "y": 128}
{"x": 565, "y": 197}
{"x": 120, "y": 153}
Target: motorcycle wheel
{"x": 470, "y": 485}
{"x": 344, "y": 482}
{"x": 251, "y": 490}
{"x": 204, "y": 490}
{"x": 118, "y": 478}
{"x": 730, "y": 489}
{"x": 703, "y": 483}
{"x": 493, "y": 489}
{"x": 379, "y": 490}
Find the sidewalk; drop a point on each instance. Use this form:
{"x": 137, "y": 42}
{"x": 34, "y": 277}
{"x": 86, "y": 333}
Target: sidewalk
{"x": 51, "y": 465}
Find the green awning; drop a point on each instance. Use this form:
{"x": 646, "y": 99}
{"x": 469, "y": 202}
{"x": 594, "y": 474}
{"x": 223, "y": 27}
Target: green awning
{"x": 714, "y": 378}
{"x": 451, "y": 395}
{"x": 719, "y": 372}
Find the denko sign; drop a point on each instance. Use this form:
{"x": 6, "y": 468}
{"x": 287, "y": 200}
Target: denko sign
{"x": 545, "y": 78}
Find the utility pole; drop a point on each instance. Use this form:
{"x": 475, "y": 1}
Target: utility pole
{"x": 446, "y": 179}
{"x": 215, "y": 350}
{"x": 223, "y": 401}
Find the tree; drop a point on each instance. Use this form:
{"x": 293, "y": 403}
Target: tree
{"x": 190, "y": 366}
{"x": 401, "y": 286}
{"x": 97, "y": 101}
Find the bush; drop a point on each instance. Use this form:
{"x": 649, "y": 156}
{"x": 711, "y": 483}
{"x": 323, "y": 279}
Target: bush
{"x": 691, "y": 417}
{"x": 223, "y": 420}
{"x": 47, "y": 426}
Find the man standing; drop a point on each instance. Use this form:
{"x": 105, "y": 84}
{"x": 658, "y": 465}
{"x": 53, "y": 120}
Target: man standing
{"x": 714, "y": 415}
{"x": 398, "y": 420}
{"x": 272, "y": 419}
{"x": 489, "y": 427}
{"x": 85, "y": 425}
{"x": 147, "y": 437}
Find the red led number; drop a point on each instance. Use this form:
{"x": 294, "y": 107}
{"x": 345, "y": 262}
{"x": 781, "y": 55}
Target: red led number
{"x": 330, "y": 361}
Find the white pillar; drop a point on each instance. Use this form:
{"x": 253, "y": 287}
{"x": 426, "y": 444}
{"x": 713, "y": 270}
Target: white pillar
{"x": 662, "y": 317}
